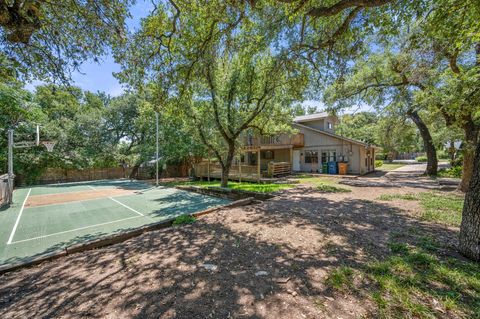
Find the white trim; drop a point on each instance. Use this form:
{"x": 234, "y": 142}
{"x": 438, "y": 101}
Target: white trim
{"x": 133, "y": 210}
{"x": 72, "y": 230}
{"x": 18, "y": 219}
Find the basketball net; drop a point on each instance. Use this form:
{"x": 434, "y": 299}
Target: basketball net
{"x": 49, "y": 145}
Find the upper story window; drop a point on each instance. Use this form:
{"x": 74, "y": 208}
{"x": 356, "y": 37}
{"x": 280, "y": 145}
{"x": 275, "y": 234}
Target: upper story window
{"x": 330, "y": 125}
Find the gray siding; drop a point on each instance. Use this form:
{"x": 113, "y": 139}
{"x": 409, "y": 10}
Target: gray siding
{"x": 354, "y": 153}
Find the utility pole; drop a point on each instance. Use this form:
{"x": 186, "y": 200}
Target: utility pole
{"x": 156, "y": 157}
{"x": 10, "y": 166}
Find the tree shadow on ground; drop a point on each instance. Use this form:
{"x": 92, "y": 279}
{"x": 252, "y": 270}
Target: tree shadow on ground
{"x": 295, "y": 239}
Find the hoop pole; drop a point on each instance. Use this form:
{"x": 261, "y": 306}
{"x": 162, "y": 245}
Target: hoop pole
{"x": 37, "y": 137}
{"x": 156, "y": 155}
{"x": 10, "y": 166}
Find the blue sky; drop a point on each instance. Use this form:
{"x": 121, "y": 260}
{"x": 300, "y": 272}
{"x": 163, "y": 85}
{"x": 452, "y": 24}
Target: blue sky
{"x": 99, "y": 76}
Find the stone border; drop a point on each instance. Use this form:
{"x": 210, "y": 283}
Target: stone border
{"x": 115, "y": 238}
{"x": 226, "y": 193}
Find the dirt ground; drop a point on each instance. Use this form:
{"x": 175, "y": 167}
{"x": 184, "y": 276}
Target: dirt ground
{"x": 267, "y": 260}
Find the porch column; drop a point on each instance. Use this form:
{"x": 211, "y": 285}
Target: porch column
{"x": 291, "y": 158}
{"x": 240, "y": 167}
{"x": 258, "y": 165}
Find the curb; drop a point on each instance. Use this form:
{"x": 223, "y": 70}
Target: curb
{"x": 115, "y": 238}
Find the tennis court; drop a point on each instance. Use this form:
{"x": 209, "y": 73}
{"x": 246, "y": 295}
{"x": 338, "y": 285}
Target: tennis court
{"x": 46, "y": 219}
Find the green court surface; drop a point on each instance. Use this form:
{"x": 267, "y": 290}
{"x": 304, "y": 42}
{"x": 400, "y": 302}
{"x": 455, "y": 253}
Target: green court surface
{"x": 27, "y": 232}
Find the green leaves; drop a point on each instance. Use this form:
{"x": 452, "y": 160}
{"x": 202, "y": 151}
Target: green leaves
{"x": 48, "y": 40}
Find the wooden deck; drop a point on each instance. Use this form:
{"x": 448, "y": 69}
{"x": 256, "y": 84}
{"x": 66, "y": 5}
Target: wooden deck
{"x": 251, "y": 173}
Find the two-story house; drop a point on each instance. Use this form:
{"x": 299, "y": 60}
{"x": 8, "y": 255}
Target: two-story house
{"x": 316, "y": 142}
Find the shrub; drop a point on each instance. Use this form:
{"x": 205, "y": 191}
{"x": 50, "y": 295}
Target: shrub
{"x": 378, "y": 163}
{"x": 184, "y": 219}
{"x": 441, "y": 154}
{"x": 455, "y": 172}
{"x": 421, "y": 159}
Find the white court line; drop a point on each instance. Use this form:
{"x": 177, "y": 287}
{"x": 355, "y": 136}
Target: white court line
{"x": 72, "y": 230}
{"x": 116, "y": 201}
{"x": 133, "y": 210}
{"x": 18, "y": 219}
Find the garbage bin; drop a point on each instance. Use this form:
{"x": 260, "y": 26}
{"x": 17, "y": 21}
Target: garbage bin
{"x": 332, "y": 167}
{"x": 342, "y": 168}
{"x": 325, "y": 168}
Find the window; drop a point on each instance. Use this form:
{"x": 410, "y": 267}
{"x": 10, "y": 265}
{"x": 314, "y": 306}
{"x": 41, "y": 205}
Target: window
{"x": 329, "y": 156}
{"x": 330, "y": 125}
{"x": 332, "y": 156}
{"x": 267, "y": 155}
{"x": 311, "y": 157}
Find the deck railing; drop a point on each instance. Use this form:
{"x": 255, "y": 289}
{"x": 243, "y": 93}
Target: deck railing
{"x": 242, "y": 172}
{"x": 237, "y": 172}
{"x": 297, "y": 140}
{"x": 279, "y": 169}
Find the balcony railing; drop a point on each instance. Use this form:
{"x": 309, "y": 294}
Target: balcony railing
{"x": 296, "y": 140}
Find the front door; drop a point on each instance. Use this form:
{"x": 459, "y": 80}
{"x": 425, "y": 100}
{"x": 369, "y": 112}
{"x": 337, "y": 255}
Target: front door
{"x": 296, "y": 160}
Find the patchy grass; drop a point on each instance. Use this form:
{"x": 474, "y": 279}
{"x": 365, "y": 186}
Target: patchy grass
{"x": 445, "y": 208}
{"x": 252, "y": 187}
{"x": 389, "y": 166}
{"x": 325, "y": 188}
{"x": 183, "y": 220}
{"x": 415, "y": 281}
{"x": 340, "y": 278}
{"x": 389, "y": 197}
{"x": 323, "y": 184}
{"x": 442, "y": 207}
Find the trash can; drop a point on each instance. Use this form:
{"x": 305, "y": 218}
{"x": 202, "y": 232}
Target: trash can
{"x": 332, "y": 167}
{"x": 342, "y": 168}
{"x": 325, "y": 168}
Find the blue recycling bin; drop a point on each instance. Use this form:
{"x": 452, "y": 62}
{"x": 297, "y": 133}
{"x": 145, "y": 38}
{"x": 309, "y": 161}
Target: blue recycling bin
{"x": 332, "y": 167}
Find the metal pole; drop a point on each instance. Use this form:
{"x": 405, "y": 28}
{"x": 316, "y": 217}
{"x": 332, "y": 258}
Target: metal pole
{"x": 10, "y": 166}
{"x": 156, "y": 161}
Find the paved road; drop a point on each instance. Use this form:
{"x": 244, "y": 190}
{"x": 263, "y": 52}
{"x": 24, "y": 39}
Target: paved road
{"x": 411, "y": 175}
{"x": 411, "y": 171}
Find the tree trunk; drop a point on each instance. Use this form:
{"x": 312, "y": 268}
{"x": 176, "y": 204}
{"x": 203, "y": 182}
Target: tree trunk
{"x": 451, "y": 151}
{"x": 469, "y": 244}
{"x": 432, "y": 161}
{"x": 134, "y": 171}
{"x": 471, "y": 136}
{"x": 228, "y": 163}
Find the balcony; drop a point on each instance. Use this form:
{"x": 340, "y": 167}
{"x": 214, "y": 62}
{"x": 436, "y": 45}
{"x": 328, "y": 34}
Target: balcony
{"x": 275, "y": 141}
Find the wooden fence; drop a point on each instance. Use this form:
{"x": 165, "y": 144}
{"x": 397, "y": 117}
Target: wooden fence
{"x": 58, "y": 175}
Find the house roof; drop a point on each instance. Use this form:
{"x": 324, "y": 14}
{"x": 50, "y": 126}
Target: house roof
{"x": 311, "y": 117}
{"x": 336, "y": 136}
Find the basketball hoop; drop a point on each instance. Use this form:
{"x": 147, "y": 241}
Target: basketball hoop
{"x": 49, "y": 145}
